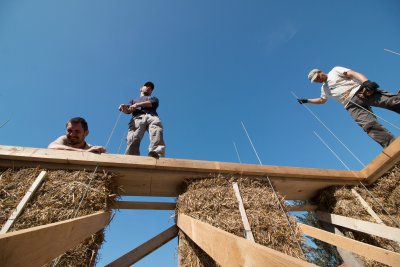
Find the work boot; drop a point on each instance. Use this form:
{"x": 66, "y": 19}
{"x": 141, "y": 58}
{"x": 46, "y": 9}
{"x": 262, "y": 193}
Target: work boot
{"x": 153, "y": 154}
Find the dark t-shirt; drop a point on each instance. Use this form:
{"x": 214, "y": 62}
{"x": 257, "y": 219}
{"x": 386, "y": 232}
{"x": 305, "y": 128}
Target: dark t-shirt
{"x": 140, "y": 111}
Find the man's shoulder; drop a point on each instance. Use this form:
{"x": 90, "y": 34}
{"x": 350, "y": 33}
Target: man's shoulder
{"x": 339, "y": 69}
{"x": 62, "y": 140}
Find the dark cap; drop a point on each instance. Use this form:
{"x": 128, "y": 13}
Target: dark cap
{"x": 149, "y": 84}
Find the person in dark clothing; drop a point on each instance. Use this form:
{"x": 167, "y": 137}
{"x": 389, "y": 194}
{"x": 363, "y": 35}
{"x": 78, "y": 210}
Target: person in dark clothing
{"x": 144, "y": 118}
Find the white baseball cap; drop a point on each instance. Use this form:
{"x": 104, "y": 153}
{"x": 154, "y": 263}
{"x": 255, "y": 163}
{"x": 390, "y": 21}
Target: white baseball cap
{"x": 313, "y": 74}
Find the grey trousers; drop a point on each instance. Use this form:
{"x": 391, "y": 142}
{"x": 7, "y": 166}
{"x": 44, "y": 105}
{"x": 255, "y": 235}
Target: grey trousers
{"x": 138, "y": 127}
{"x": 360, "y": 109}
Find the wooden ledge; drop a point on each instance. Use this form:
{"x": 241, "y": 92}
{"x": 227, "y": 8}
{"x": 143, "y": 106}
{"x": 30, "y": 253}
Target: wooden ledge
{"x": 146, "y": 176}
{"x": 382, "y": 163}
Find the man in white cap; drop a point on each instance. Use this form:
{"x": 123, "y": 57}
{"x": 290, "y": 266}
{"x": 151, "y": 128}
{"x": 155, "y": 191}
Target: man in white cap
{"x": 357, "y": 94}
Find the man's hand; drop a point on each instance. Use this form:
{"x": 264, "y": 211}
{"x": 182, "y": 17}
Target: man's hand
{"x": 369, "y": 88}
{"x": 97, "y": 149}
{"x": 123, "y": 108}
{"x": 302, "y": 101}
{"x": 132, "y": 108}
{"x": 368, "y": 85}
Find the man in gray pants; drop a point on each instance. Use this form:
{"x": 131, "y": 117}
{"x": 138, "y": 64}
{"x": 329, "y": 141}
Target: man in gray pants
{"x": 144, "y": 118}
{"x": 357, "y": 94}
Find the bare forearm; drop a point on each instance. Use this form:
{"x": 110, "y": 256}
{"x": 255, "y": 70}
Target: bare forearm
{"x": 146, "y": 104}
{"x": 319, "y": 100}
{"x": 356, "y": 75}
{"x": 63, "y": 147}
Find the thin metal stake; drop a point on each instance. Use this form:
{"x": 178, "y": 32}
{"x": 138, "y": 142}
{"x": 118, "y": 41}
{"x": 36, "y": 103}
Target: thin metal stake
{"x": 390, "y": 51}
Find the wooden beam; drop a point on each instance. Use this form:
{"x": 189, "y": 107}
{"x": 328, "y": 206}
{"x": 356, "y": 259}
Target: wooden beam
{"x": 231, "y": 250}
{"x": 39, "y": 245}
{"x": 382, "y": 163}
{"x": 137, "y": 205}
{"x": 307, "y": 207}
{"x": 36, "y": 184}
{"x": 349, "y": 258}
{"x": 380, "y": 230}
{"x": 247, "y": 230}
{"x": 366, "y": 250}
{"x": 367, "y": 207}
{"x": 146, "y": 176}
{"x": 143, "y": 250}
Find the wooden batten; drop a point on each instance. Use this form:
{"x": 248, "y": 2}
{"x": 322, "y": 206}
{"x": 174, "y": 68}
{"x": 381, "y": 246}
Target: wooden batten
{"x": 39, "y": 245}
{"x": 376, "y": 229}
{"x": 138, "y": 205}
{"x": 230, "y": 250}
{"x": 146, "y": 248}
{"x": 366, "y": 250}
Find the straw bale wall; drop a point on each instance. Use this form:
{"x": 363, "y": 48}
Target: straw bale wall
{"x": 386, "y": 191}
{"x": 56, "y": 200}
{"x": 212, "y": 200}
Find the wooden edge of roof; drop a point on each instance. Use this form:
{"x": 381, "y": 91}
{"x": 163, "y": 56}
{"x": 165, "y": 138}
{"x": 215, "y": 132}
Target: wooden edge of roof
{"x": 90, "y": 160}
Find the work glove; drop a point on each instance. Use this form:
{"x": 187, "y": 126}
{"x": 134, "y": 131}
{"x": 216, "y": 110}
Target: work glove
{"x": 370, "y": 86}
{"x": 302, "y": 101}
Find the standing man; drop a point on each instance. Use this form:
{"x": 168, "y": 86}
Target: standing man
{"x": 357, "y": 94}
{"x": 74, "y": 138}
{"x": 144, "y": 118}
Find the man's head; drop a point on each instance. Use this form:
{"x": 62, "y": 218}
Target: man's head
{"x": 316, "y": 75}
{"x": 147, "y": 88}
{"x": 77, "y": 130}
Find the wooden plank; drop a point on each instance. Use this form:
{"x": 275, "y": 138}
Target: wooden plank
{"x": 248, "y": 234}
{"x": 145, "y": 249}
{"x": 231, "y": 250}
{"x": 367, "y": 207}
{"x": 144, "y": 205}
{"x": 28, "y": 195}
{"x": 145, "y": 176}
{"x": 307, "y": 207}
{"x": 366, "y": 250}
{"x": 39, "y": 245}
{"x": 382, "y": 163}
{"x": 380, "y": 230}
{"x": 166, "y": 164}
{"x": 349, "y": 258}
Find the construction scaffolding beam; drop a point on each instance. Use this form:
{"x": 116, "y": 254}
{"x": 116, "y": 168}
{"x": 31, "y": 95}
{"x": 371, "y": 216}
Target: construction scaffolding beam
{"x": 39, "y": 245}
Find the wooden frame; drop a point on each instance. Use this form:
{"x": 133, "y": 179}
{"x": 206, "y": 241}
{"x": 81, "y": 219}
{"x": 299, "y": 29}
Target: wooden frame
{"x": 146, "y": 248}
{"x": 349, "y": 258}
{"x": 235, "y": 251}
{"x": 138, "y": 205}
{"x": 380, "y": 230}
{"x": 39, "y": 245}
{"x": 366, "y": 250}
{"x": 146, "y": 176}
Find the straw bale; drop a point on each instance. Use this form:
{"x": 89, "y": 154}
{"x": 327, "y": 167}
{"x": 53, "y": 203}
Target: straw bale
{"x": 56, "y": 200}
{"x": 213, "y": 201}
{"x": 385, "y": 192}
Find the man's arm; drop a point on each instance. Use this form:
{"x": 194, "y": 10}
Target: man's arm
{"x": 319, "y": 100}
{"x": 60, "y": 142}
{"x": 145, "y": 104}
{"x": 355, "y": 75}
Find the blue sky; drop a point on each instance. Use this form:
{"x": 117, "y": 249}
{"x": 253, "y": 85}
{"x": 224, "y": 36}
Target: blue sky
{"x": 214, "y": 64}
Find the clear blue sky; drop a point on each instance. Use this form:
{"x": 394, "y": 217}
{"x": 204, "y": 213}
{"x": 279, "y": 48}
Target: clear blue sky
{"x": 214, "y": 64}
